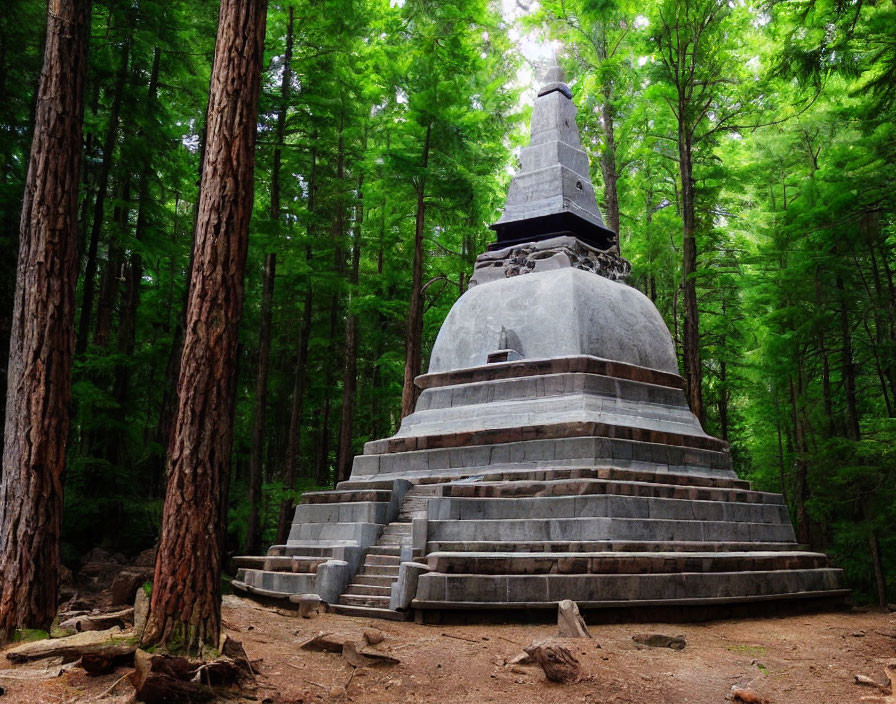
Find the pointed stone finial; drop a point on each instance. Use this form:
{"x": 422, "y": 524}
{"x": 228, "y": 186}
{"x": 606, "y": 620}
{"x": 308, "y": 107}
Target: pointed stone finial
{"x": 554, "y": 78}
{"x": 552, "y": 194}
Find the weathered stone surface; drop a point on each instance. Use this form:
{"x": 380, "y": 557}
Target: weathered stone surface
{"x": 558, "y": 313}
{"x": 570, "y": 623}
{"x": 126, "y": 584}
{"x": 660, "y": 640}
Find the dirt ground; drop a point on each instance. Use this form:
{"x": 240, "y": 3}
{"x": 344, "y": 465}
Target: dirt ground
{"x": 809, "y": 659}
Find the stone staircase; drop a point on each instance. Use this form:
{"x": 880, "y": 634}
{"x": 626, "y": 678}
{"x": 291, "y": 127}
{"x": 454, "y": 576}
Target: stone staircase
{"x": 368, "y": 594}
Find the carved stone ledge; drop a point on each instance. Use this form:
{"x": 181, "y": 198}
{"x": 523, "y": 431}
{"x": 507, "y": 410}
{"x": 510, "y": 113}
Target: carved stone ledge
{"x": 555, "y": 253}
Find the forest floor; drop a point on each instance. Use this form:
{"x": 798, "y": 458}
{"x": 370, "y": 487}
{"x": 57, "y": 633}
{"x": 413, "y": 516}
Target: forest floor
{"x": 807, "y": 659}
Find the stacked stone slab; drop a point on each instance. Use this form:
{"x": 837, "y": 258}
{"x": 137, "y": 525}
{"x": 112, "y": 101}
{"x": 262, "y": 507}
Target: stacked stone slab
{"x": 551, "y": 454}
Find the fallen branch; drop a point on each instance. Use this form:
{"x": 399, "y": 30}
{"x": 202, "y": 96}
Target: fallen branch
{"x": 469, "y": 640}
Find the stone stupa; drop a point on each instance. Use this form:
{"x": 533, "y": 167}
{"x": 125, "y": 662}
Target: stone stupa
{"x": 551, "y": 454}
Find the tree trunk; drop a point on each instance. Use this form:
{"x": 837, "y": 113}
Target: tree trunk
{"x": 112, "y": 271}
{"x": 608, "y": 161}
{"x": 294, "y": 441}
{"x": 134, "y": 274}
{"x": 42, "y": 334}
{"x": 350, "y": 368}
{"x": 879, "y": 579}
{"x": 186, "y": 599}
{"x": 414, "y": 344}
{"x": 253, "y": 533}
{"x": 296, "y": 416}
{"x": 849, "y": 370}
{"x": 109, "y": 142}
{"x": 693, "y": 371}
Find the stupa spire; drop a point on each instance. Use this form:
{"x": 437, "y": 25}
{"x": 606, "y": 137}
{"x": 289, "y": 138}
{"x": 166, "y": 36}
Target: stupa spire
{"x": 552, "y": 194}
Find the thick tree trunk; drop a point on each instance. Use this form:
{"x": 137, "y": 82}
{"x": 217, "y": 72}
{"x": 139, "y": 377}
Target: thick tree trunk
{"x": 253, "y": 533}
{"x": 42, "y": 334}
{"x": 693, "y": 371}
{"x": 414, "y": 345}
{"x": 185, "y": 611}
{"x": 350, "y": 368}
{"x": 109, "y": 142}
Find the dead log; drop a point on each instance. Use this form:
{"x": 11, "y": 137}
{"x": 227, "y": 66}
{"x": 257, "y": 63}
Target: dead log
{"x": 557, "y": 661}
{"x": 71, "y": 647}
{"x": 569, "y": 621}
{"x": 99, "y": 622}
{"x": 159, "y": 679}
{"x": 102, "y": 660}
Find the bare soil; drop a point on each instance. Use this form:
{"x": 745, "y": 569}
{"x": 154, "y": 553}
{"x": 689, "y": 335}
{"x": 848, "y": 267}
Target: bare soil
{"x": 808, "y": 659}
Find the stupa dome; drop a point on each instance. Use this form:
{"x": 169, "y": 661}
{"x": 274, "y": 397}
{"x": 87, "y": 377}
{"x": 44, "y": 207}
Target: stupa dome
{"x": 550, "y": 314}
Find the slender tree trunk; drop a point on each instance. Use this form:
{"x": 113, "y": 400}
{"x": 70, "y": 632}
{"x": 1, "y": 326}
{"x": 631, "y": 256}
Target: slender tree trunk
{"x": 879, "y": 579}
{"x": 102, "y": 187}
{"x": 802, "y": 464}
{"x": 693, "y": 370}
{"x": 186, "y": 597}
{"x": 294, "y": 441}
{"x": 42, "y": 334}
{"x": 253, "y": 533}
{"x": 322, "y": 473}
{"x": 608, "y": 160}
{"x": 297, "y": 412}
{"x": 112, "y": 271}
{"x": 350, "y": 368}
{"x": 414, "y": 344}
{"x": 849, "y": 370}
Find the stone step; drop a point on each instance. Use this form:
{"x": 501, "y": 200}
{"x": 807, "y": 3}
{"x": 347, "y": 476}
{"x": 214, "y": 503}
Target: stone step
{"x": 384, "y": 550}
{"x": 579, "y": 487}
{"x": 621, "y": 589}
{"x": 308, "y": 549}
{"x": 361, "y": 533}
{"x": 296, "y": 563}
{"x": 627, "y": 529}
{"x": 374, "y": 580}
{"x": 380, "y": 570}
{"x": 339, "y": 496}
{"x": 497, "y": 563}
{"x": 241, "y": 586}
{"x": 509, "y": 473}
{"x": 382, "y": 560}
{"x": 281, "y": 582}
{"x": 355, "y": 589}
{"x": 342, "y": 512}
{"x": 536, "y": 454}
{"x": 379, "y": 602}
{"x": 566, "y": 546}
{"x": 600, "y": 505}
{"x": 370, "y": 612}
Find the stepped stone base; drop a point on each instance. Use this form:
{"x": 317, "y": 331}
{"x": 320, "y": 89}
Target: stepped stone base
{"x": 519, "y": 484}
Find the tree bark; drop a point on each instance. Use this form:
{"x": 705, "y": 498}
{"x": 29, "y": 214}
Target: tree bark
{"x": 42, "y": 334}
{"x": 185, "y": 612}
{"x": 414, "y": 345}
{"x": 253, "y": 533}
